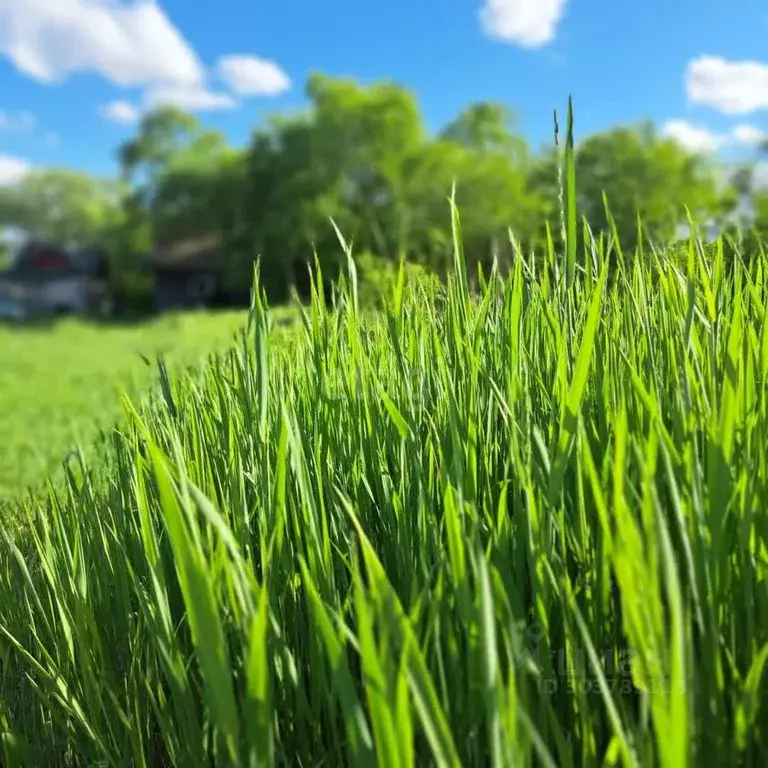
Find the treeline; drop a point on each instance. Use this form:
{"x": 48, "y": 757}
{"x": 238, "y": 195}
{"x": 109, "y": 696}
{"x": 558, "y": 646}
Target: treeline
{"x": 363, "y": 157}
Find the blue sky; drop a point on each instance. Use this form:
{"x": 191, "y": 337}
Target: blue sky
{"x": 74, "y": 74}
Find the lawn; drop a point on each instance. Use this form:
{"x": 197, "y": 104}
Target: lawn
{"x": 60, "y": 385}
{"x": 528, "y": 529}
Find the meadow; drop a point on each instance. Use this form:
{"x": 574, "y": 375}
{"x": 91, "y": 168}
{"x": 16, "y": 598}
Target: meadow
{"x": 60, "y": 385}
{"x": 525, "y": 527}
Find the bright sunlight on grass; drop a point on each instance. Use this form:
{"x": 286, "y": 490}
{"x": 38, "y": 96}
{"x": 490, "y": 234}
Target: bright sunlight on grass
{"x": 528, "y": 530}
{"x": 59, "y": 385}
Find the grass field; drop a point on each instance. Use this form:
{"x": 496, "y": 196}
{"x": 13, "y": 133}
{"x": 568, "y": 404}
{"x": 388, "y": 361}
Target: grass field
{"x": 524, "y": 530}
{"x": 59, "y": 385}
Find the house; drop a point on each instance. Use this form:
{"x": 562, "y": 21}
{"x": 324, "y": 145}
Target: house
{"x": 190, "y": 273}
{"x": 48, "y": 279}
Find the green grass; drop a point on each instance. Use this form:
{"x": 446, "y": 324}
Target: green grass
{"x": 58, "y": 386}
{"x": 528, "y": 529}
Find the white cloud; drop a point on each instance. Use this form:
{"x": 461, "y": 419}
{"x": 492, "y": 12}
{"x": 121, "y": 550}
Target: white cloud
{"x": 252, "y": 76}
{"x": 120, "y": 111}
{"x": 528, "y": 23}
{"x": 12, "y": 170}
{"x": 748, "y": 134}
{"x": 128, "y": 43}
{"x": 693, "y": 137}
{"x": 192, "y": 98}
{"x": 697, "y": 138}
{"x": 732, "y": 87}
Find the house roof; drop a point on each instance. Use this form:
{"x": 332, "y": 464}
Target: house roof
{"x": 42, "y": 260}
{"x": 35, "y": 252}
{"x": 190, "y": 253}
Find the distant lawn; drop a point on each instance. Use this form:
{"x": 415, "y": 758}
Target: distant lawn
{"x": 59, "y": 385}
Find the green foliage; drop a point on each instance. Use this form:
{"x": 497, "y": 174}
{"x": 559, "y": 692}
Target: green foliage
{"x": 128, "y": 243}
{"x": 761, "y": 216}
{"x": 162, "y": 134}
{"x": 486, "y": 127}
{"x": 62, "y": 205}
{"x": 362, "y": 156}
{"x": 345, "y": 159}
{"x": 644, "y": 176}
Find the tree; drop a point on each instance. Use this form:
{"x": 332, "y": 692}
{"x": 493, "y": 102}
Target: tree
{"x": 761, "y": 216}
{"x": 67, "y": 206}
{"x": 174, "y": 165}
{"x": 186, "y": 181}
{"x": 343, "y": 159}
{"x": 362, "y": 156}
{"x": 363, "y": 137}
{"x": 288, "y": 195}
{"x": 487, "y": 128}
{"x": 641, "y": 174}
{"x": 162, "y": 134}
{"x": 492, "y": 196}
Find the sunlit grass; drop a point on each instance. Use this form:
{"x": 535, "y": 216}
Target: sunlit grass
{"x": 59, "y": 385}
{"x": 528, "y": 529}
